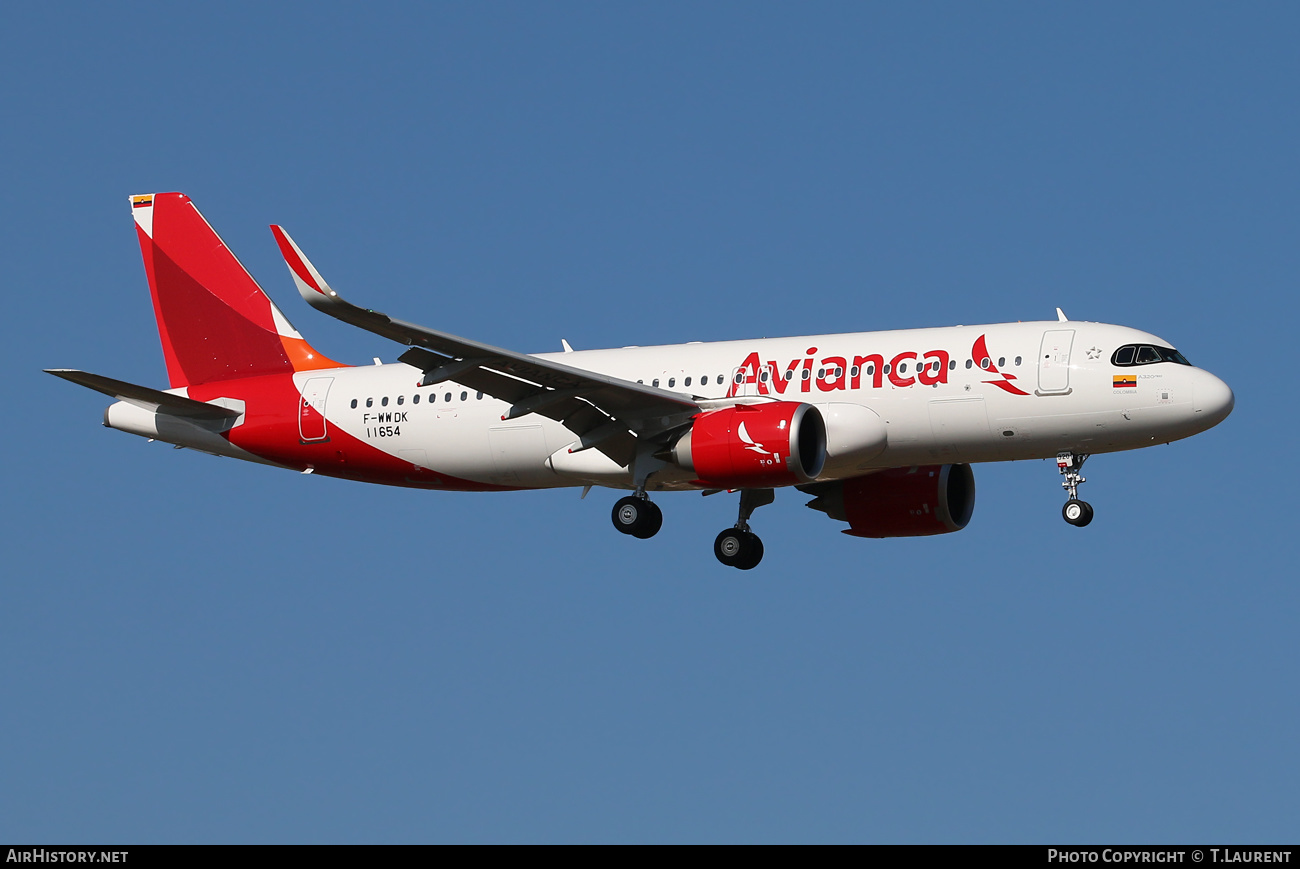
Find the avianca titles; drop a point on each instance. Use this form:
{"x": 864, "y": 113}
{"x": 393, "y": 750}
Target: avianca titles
{"x": 879, "y": 428}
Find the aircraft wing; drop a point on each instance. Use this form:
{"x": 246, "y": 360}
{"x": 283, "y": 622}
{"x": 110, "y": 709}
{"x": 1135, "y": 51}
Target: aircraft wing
{"x": 607, "y": 413}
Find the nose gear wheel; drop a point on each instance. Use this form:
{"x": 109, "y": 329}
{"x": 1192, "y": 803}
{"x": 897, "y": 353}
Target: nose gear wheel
{"x": 1077, "y": 513}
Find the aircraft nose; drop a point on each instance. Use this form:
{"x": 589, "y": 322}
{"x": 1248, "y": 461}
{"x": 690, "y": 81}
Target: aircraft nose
{"x": 1212, "y": 399}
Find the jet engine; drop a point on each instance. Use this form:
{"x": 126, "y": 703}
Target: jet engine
{"x": 755, "y": 445}
{"x": 900, "y": 502}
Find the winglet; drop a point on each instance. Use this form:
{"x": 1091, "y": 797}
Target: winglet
{"x": 311, "y": 286}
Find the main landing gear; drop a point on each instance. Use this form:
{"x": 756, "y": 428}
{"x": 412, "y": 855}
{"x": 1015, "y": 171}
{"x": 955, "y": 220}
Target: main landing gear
{"x": 1076, "y": 512}
{"x": 637, "y": 515}
{"x": 735, "y": 547}
{"x": 739, "y": 547}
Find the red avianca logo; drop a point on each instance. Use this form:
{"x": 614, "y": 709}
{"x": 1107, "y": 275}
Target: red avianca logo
{"x": 835, "y": 373}
{"x": 980, "y": 354}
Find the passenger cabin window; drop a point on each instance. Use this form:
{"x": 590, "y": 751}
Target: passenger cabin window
{"x": 415, "y": 399}
{"x": 354, "y": 403}
{"x": 1146, "y": 354}
{"x": 370, "y": 402}
{"x": 401, "y": 399}
{"x": 383, "y": 402}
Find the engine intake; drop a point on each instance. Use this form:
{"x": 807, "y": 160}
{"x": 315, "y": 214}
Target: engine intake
{"x": 901, "y": 502}
{"x": 755, "y": 445}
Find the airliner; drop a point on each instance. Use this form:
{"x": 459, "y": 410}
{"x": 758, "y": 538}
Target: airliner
{"x": 880, "y": 429}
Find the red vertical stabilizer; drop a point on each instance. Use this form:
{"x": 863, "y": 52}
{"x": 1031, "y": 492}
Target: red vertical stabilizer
{"x": 215, "y": 322}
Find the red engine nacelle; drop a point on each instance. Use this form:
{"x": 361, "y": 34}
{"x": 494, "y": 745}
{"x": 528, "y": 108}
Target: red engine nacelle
{"x": 902, "y": 502}
{"x": 755, "y": 445}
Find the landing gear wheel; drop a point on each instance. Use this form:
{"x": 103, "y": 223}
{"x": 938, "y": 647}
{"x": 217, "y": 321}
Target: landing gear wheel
{"x": 753, "y": 553}
{"x": 739, "y": 549}
{"x": 638, "y": 517}
{"x": 1077, "y": 513}
{"x": 654, "y": 520}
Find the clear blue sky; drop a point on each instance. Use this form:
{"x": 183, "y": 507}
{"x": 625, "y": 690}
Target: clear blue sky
{"x": 197, "y": 650}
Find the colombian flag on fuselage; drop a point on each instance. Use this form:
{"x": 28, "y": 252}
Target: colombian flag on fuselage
{"x": 1125, "y": 381}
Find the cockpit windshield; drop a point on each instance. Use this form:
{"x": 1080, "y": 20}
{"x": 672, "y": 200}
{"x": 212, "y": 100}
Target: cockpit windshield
{"x": 1146, "y": 354}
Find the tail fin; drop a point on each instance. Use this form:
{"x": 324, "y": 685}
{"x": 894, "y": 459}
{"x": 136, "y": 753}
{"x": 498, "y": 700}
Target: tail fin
{"x": 215, "y": 322}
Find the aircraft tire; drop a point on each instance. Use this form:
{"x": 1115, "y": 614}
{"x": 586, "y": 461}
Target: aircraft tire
{"x": 637, "y": 516}
{"x": 739, "y": 549}
{"x": 729, "y": 545}
{"x": 753, "y": 553}
{"x": 1077, "y": 513}
{"x": 651, "y": 520}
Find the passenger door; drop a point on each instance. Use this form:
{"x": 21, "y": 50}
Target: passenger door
{"x": 1054, "y": 362}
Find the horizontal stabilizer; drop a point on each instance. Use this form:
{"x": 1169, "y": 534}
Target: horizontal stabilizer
{"x": 142, "y": 396}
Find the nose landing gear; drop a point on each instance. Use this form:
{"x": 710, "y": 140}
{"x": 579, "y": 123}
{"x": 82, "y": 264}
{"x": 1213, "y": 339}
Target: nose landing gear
{"x": 1077, "y": 513}
{"x": 739, "y": 547}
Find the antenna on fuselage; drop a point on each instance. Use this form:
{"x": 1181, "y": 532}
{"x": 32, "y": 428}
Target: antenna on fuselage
{"x": 1060, "y": 315}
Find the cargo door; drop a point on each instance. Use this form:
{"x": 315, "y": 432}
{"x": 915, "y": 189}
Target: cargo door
{"x": 958, "y": 425}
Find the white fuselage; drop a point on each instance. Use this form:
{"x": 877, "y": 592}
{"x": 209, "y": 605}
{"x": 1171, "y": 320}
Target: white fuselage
{"x": 1055, "y": 390}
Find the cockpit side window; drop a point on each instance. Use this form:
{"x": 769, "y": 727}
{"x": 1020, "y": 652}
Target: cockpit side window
{"x": 1145, "y": 354}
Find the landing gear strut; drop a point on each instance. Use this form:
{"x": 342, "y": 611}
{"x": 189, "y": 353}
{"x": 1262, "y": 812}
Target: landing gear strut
{"x": 637, "y": 515}
{"x": 1076, "y": 512}
{"x": 739, "y": 547}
